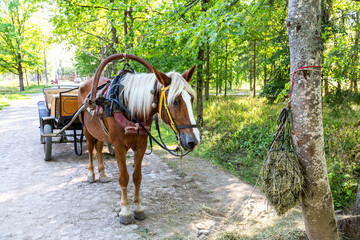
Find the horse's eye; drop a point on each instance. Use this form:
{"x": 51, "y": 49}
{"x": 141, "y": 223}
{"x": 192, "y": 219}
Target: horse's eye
{"x": 176, "y": 103}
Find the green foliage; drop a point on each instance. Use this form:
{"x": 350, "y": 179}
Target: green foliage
{"x": 19, "y": 38}
{"x": 238, "y": 130}
{"x": 341, "y": 133}
{"x": 237, "y": 133}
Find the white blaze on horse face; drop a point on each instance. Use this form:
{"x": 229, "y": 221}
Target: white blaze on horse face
{"x": 187, "y": 99}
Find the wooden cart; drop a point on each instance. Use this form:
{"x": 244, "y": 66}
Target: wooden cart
{"x": 60, "y": 103}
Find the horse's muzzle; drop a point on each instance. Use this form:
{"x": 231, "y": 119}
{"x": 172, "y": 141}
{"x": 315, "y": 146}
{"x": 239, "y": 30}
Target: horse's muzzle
{"x": 188, "y": 141}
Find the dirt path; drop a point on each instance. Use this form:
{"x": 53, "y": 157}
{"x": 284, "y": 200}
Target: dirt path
{"x": 52, "y": 200}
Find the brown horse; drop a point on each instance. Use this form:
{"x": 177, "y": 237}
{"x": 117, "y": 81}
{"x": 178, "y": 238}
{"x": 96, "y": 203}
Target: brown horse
{"x": 139, "y": 98}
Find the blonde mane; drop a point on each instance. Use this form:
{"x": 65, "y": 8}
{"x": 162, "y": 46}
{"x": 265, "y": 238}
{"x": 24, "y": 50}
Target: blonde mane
{"x": 137, "y": 87}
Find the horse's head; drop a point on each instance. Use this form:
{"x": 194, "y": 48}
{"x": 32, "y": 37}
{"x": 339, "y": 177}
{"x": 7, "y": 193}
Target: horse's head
{"x": 179, "y": 98}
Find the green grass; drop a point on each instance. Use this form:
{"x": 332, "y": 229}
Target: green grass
{"x": 238, "y": 130}
{"x": 10, "y": 92}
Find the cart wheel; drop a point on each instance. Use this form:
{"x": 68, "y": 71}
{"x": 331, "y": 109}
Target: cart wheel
{"x": 48, "y": 142}
{"x": 111, "y": 149}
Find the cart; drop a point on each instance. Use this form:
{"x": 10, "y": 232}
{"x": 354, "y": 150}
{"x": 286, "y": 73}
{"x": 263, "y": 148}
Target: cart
{"x": 60, "y": 103}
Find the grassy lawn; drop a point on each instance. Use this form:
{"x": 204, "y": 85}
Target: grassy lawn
{"x": 237, "y": 132}
{"x": 10, "y": 91}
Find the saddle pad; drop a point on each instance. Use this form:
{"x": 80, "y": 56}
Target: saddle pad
{"x": 132, "y": 128}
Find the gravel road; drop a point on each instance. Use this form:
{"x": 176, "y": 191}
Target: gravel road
{"x": 52, "y": 200}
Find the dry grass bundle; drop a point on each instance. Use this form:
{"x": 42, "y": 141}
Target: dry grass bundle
{"x": 281, "y": 174}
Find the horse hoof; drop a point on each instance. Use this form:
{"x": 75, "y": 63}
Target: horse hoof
{"x": 91, "y": 178}
{"x": 105, "y": 179}
{"x": 139, "y": 215}
{"x": 126, "y": 219}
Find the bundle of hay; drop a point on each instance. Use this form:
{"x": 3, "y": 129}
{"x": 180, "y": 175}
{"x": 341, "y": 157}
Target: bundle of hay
{"x": 281, "y": 174}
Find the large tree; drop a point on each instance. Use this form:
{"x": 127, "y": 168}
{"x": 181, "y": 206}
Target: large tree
{"x": 19, "y": 45}
{"x": 304, "y": 32}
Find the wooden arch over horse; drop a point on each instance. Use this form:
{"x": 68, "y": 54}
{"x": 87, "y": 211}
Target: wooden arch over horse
{"x": 139, "y": 98}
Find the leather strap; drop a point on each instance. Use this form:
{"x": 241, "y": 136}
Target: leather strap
{"x": 187, "y": 126}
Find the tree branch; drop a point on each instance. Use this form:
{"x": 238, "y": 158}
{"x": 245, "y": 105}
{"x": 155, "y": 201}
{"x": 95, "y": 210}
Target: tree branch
{"x": 235, "y": 2}
{"x": 93, "y": 35}
{"x": 90, "y": 6}
{"x": 8, "y": 66}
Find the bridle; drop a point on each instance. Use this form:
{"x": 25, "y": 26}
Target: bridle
{"x": 163, "y": 108}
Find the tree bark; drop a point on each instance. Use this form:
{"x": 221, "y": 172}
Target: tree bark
{"x": 254, "y": 87}
{"x": 207, "y": 82}
{"x": 304, "y": 32}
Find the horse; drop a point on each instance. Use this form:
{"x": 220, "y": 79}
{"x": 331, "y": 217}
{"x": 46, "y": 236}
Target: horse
{"x": 139, "y": 98}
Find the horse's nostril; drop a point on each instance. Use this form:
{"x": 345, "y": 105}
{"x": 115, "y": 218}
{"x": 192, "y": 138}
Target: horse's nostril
{"x": 191, "y": 145}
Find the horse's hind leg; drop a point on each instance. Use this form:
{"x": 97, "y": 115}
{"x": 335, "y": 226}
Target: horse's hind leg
{"x": 90, "y": 143}
{"x": 103, "y": 177}
{"x": 138, "y": 212}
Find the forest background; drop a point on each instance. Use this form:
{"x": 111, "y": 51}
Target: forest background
{"x": 241, "y": 51}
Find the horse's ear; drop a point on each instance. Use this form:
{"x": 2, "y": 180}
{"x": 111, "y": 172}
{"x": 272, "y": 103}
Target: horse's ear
{"x": 162, "y": 78}
{"x": 189, "y": 73}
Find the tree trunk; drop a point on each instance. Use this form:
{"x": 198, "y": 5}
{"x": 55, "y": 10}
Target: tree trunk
{"x": 254, "y": 87}
{"x": 326, "y": 85}
{"x": 250, "y": 78}
{"x": 125, "y": 31}
{"x": 356, "y": 61}
{"x": 45, "y": 72}
{"x": 356, "y": 208}
{"x": 304, "y": 32}
{"x": 217, "y": 89}
{"x": 199, "y": 86}
{"x": 225, "y": 87}
{"x": 131, "y": 27}
{"x": 21, "y": 73}
{"x": 265, "y": 72}
{"x": 115, "y": 42}
{"x": 207, "y": 82}
{"x": 26, "y": 77}
{"x": 217, "y": 75}
{"x": 200, "y": 67}
{"x": 38, "y": 77}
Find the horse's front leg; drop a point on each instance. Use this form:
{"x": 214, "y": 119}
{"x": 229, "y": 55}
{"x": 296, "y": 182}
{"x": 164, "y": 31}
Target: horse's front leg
{"x": 90, "y": 142}
{"x": 139, "y": 152}
{"x": 120, "y": 154}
